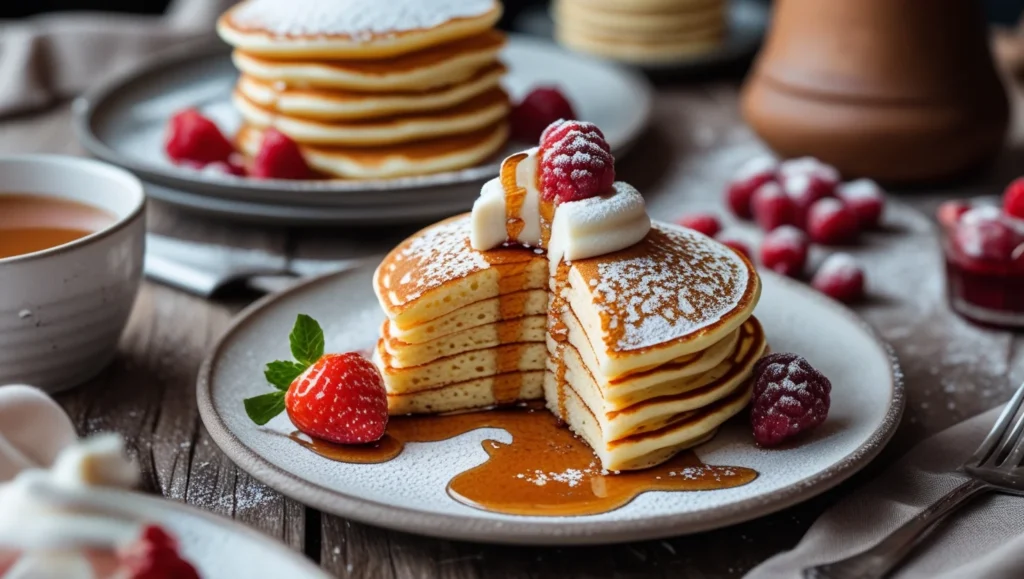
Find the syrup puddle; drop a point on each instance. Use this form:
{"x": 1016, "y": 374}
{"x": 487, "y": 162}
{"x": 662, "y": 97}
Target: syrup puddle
{"x": 544, "y": 471}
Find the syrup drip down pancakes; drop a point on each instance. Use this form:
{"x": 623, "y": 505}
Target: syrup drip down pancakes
{"x": 371, "y": 89}
{"x": 638, "y": 335}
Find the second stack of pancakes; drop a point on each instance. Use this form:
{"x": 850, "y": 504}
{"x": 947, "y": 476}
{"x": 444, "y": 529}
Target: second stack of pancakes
{"x": 371, "y": 89}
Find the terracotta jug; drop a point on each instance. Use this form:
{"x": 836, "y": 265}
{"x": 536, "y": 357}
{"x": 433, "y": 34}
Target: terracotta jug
{"x": 896, "y": 90}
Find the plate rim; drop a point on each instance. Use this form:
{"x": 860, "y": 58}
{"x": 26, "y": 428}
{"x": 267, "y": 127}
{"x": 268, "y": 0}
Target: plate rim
{"x": 85, "y": 107}
{"x": 568, "y": 532}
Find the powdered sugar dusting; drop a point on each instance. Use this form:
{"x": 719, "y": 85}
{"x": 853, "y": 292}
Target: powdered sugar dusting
{"x": 360, "y": 19}
{"x": 431, "y": 258}
{"x": 787, "y": 235}
{"x": 756, "y": 166}
{"x": 840, "y": 265}
{"x": 859, "y": 189}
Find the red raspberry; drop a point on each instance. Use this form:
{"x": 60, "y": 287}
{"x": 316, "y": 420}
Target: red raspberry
{"x": 809, "y": 165}
{"x": 784, "y": 250}
{"x": 984, "y": 233}
{"x": 790, "y": 397}
{"x": 193, "y": 137}
{"x": 832, "y": 222}
{"x": 866, "y": 199}
{"x": 949, "y": 212}
{"x": 703, "y": 222}
{"x": 279, "y": 157}
{"x": 748, "y": 179}
{"x": 541, "y": 107}
{"x": 575, "y": 162}
{"x": 841, "y": 278}
{"x": 805, "y": 189}
{"x": 772, "y": 207}
{"x": 1013, "y": 198}
{"x": 155, "y": 556}
{"x": 737, "y": 246}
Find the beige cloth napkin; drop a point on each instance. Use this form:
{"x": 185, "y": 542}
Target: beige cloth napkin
{"x": 55, "y": 56}
{"x": 983, "y": 540}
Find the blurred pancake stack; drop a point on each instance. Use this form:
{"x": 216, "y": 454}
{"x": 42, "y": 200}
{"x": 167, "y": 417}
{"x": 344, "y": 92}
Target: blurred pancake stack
{"x": 371, "y": 89}
{"x": 641, "y": 31}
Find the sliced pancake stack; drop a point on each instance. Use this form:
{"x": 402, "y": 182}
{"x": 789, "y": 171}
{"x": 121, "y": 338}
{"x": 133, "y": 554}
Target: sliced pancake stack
{"x": 371, "y": 89}
{"x": 641, "y": 31}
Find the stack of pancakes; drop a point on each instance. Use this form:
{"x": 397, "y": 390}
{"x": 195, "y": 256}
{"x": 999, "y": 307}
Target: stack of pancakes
{"x": 371, "y": 89}
{"x": 641, "y": 31}
{"x": 646, "y": 352}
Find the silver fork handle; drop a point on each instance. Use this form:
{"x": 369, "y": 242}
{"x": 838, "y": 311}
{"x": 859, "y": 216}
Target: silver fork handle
{"x": 878, "y": 560}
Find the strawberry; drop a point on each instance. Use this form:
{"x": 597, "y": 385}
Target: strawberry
{"x": 339, "y": 398}
{"x": 155, "y": 556}
{"x": 279, "y": 157}
{"x": 193, "y": 138}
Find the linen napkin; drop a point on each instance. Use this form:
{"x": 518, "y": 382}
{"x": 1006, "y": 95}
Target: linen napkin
{"x": 984, "y": 539}
{"x": 55, "y": 56}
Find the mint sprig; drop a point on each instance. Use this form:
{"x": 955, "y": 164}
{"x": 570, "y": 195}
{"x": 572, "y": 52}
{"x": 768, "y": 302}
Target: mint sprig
{"x": 307, "y": 345}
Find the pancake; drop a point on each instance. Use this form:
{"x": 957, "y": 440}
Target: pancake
{"x": 477, "y": 113}
{"x": 352, "y": 29}
{"x": 328, "y": 105}
{"x": 507, "y": 307}
{"x": 659, "y": 26}
{"x": 419, "y": 158}
{"x": 525, "y": 329}
{"x": 640, "y": 51}
{"x": 646, "y": 6}
{"x": 470, "y": 395}
{"x": 507, "y": 358}
{"x": 427, "y": 69}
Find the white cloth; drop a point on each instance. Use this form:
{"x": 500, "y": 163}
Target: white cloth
{"x": 55, "y": 56}
{"x": 983, "y": 540}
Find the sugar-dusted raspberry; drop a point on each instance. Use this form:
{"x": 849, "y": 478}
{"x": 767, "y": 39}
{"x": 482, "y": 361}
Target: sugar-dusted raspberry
{"x": 772, "y": 207}
{"x": 985, "y": 233}
{"x": 279, "y": 157}
{"x": 866, "y": 198}
{"x": 809, "y": 165}
{"x": 538, "y": 109}
{"x": 155, "y": 556}
{"x": 950, "y": 212}
{"x": 805, "y": 189}
{"x": 790, "y": 397}
{"x": 193, "y": 138}
{"x": 736, "y": 245}
{"x": 703, "y": 222}
{"x": 841, "y": 278}
{"x": 1013, "y": 198}
{"x": 784, "y": 250}
{"x": 832, "y": 222}
{"x": 575, "y": 162}
{"x": 748, "y": 179}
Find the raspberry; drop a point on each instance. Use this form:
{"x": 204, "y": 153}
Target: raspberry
{"x": 841, "y": 278}
{"x": 541, "y": 107}
{"x": 808, "y": 165}
{"x": 772, "y": 207}
{"x": 748, "y": 179}
{"x": 279, "y": 157}
{"x": 193, "y": 137}
{"x": 984, "y": 233}
{"x": 866, "y": 199}
{"x": 155, "y": 556}
{"x": 1013, "y": 198}
{"x": 832, "y": 222}
{"x": 790, "y": 397}
{"x": 703, "y": 222}
{"x": 737, "y": 246}
{"x": 784, "y": 250}
{"x": 575, "y": 162}
{"x": 805, "y": 189}
{"x": 949, "y": 212}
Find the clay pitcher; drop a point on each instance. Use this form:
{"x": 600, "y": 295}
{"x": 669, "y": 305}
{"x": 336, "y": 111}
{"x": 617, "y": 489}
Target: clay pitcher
{"x": 897, "y": 90}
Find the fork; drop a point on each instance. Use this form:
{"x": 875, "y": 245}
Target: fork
{"x": 995, "y": 466}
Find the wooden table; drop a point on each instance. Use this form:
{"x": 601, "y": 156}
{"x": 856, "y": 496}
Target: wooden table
{"x": 953, "y": 370}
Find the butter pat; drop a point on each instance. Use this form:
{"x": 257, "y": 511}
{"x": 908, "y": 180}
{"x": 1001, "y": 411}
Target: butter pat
{"x": 599, "y": 225}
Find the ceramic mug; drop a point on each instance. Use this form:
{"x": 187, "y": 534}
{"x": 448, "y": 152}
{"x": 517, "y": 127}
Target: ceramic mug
{"x": 62, "y": 310}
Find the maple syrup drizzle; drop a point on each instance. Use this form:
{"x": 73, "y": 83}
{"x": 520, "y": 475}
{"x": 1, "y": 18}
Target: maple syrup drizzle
{"x": 544, "y": 471}
{"x": 515, "y": 196}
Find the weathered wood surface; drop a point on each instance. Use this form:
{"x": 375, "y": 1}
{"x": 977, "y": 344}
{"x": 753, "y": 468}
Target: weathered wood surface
{"x": 953, "y": 370}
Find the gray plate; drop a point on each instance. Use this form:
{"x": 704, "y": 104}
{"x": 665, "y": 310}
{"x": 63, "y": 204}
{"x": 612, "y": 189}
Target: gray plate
{"x": 123, "y": 122}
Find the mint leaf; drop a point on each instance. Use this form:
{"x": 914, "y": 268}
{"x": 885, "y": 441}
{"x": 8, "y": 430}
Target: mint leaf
{"x": 283, "y": 372}
{"x": 307, "y": 340}
{"x": 261, "y": 409}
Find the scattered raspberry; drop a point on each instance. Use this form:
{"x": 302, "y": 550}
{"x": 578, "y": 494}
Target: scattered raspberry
{"x": 737, "y": 246}
{"x": 949, "y": 212}
{"x": 832, "y": 222}
{"x": 805, "y": 189}
{"x": 808, "y": 165}
{"x": 841, "y": 278}
{"x": 575, "y": 162}
{"x": 772, "y": 207}
{"x": 279, "y": 157}
{"x": 784, "y": 250}
{"x": 748, "y": 179}
{"x": 541, "y": 107}
{"x": 703, "y": 222}
{"x": 193, "y": 137}
{"x": 984, "y": 233}
{"x": 1013, "y": 198}
{"x": 155, "y": 556}
{"x": 866, "y": 198}
{"x": 790, "y": 397}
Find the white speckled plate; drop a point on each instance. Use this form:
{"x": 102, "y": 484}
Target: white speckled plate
{"x": 221, "y": 548}
{"x": 408, "y": 493}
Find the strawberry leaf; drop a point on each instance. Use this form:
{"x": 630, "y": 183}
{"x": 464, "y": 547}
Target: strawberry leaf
{"x": 307, "y": 340}
{"x": 282, "y": 373}
{"x": 261, "y": 409}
